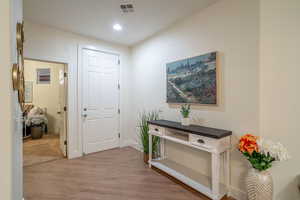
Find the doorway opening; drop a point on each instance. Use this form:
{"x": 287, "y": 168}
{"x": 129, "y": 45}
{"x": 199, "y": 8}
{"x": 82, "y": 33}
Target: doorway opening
{"x": 45, "y": 115}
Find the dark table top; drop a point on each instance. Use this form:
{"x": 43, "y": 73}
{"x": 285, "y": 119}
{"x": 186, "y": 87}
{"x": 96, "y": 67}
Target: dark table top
{"x": 194, "y": 129}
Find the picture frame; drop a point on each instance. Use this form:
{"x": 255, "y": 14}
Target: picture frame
{"x": 43, "y": 76}
{"x": 193, "y": 80}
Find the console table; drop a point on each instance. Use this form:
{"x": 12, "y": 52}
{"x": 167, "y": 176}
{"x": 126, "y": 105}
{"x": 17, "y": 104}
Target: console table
{"x": 215, "y": 141}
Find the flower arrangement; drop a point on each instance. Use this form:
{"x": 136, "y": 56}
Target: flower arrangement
{"x": 185, "y": 110}
{"x": 261, "y": 153}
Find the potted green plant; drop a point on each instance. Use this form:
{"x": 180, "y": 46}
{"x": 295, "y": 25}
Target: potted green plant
{"x": 185, "y": 112}
{"x": 144, "y": 133}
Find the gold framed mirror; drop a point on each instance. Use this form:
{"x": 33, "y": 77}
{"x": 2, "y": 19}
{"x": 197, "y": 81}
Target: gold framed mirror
{"x": 21, "y": 93}
{"x": 20, "y": 37}
{"x": 15, "y": 76}
{"x": 18, "y": 69}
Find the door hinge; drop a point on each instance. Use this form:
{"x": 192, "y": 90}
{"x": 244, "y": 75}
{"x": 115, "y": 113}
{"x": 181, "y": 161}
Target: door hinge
{"x": 119, "y": 62}
{"x": 66, "y": 142}
{"x": 65, "y": 74}
{"x": 65, "y": 108}
{"x": 119, "y": 111}
{"x": 119, "y": 86}
{"x": 119, "y": 135}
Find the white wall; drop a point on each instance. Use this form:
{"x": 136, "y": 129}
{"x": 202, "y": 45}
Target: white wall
{"x": 6, "y": 103}
{"x": 230, "y": 27}
{"x": 49, "y": 44}
{"x": 11, "y": 135}
{"x": 17, "y": 141}
{"x": 279, "y": 88}
{"x": 46, "y": 95}
{"x": 259, "y": 81}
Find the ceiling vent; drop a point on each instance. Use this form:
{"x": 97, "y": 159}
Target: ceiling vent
{"x": 126, "y": 7}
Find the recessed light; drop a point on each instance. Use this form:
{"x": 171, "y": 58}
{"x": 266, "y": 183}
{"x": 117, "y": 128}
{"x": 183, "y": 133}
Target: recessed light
{"x": 117, "y": 27}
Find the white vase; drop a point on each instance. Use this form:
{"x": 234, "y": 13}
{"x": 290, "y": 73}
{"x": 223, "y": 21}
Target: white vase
{"x": 259, "y": 185}
{"x": 185, "y": 121}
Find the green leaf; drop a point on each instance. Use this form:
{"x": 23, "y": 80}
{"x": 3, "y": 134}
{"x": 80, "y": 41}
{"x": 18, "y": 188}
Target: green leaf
{"x": 259, "y": 161}
{"x": 143, "y": 125}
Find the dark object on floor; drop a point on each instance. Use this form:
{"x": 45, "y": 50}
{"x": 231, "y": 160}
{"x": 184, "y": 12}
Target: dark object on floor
{"x": 37, "y": 131}
{"x": 34, "y": 116}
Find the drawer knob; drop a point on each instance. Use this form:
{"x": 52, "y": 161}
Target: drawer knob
{"x": 200, "y": 141}
{"x": 156, "y": 129}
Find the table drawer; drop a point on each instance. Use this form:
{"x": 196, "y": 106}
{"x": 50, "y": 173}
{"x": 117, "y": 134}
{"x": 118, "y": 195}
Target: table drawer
{"x": 203, "y": 141}
{"x": 209, "y": 143}
{"x": 157, "y": 130}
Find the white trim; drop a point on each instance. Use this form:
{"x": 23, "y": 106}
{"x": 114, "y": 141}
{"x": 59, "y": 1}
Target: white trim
{"x": 80, "y": 86}
{"x": 49, "y": 59}
{"x": 72, "y": 104}
{"x": 126, "y": 143}
{"x": 133, "y": 144}
{"x": 79, "y": 98}
{"x": 237, "y": 193}
{"x": 136, "y": 146}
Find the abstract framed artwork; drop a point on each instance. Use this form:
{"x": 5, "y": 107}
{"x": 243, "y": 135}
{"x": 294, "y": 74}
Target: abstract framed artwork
{"x": 193, "y": 80}
{"x": 43, "y": 76}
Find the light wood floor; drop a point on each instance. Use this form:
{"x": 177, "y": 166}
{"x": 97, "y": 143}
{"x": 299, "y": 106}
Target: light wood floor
{"x": 41, "y": 150}
{"x": 117, "y": 174}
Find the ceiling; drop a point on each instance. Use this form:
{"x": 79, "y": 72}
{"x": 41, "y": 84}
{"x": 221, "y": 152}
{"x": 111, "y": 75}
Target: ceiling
{"x": 95, "y": 18}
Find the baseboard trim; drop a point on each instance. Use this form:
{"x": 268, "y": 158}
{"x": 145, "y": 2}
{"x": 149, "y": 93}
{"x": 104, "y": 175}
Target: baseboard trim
{"x": 126, "y": 143}
{"x": 233, "y": 191}
{"x": 136, "y": 146}
{"x": 237, "y": 193}
{"x": 131, "y": 143}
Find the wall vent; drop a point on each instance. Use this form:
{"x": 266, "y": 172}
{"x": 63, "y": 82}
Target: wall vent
{"x": 126, "y": 7}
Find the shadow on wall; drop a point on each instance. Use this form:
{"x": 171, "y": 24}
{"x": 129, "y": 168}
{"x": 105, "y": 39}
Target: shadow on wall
{"x": 298, "y": 179}
{"x": 290, "y": 191}
{"x": 298, "y": 183}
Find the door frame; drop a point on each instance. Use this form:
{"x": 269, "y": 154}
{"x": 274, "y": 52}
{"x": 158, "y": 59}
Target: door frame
{"x": 81, "y": 47}
{"x": 67, "y": 65}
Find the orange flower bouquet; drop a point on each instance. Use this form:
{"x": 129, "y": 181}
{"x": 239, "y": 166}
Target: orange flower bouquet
{"x": 248, "y": 144}
{"x": 261, "y": 153}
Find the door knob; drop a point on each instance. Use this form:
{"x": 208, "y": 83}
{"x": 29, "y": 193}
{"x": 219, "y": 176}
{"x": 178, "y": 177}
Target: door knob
{"x": 84, "y": 115}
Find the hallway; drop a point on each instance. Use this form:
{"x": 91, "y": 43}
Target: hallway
{"x": 118, "y": 174}
{"x": 41, "y": 150}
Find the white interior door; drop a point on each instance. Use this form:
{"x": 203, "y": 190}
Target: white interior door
{"x": 100, "y": 118}
{"x": 63, "y": 89}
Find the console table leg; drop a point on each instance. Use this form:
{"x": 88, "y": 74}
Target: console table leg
{"x": 162, "y": 148}
{"x": 215, "y": 174}
{"x": 227, "y": 169}
{"x": 150, "y": 150}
